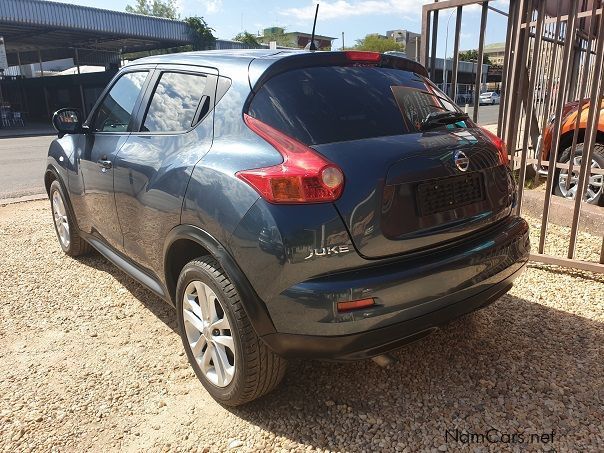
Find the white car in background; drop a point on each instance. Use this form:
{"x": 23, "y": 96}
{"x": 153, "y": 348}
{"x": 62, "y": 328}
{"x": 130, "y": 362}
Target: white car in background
{"x": 489, "y": 97}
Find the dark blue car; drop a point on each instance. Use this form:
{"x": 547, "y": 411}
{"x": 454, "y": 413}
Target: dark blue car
{"x": 330, "y": 205}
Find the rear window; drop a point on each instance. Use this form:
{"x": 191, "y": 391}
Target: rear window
{"x": 334, "y": 104}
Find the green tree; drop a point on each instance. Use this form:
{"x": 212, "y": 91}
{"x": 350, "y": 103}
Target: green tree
{"x": 204, "y": 38}
{"x": 246, "y": 38}
{"x": 377, "y": 43}
{"x": 280, "y": 37}
{"x": 472, "y": 55}
{"x": 157, "y": 8}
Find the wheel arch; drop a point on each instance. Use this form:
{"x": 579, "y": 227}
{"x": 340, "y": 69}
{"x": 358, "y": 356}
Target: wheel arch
{"x": 566, "y": 139}
{"x": 187, "y": 242}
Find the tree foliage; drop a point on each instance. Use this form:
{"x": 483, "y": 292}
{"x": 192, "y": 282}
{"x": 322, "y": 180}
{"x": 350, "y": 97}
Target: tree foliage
{"x": 204, "y": 39}
{"x": 157, "y": 8}
{"x": 472, "y": 55}
{"x": 280, "y": 37}
{"x": 246, "y": 38}
{"x": 377, "y": 43}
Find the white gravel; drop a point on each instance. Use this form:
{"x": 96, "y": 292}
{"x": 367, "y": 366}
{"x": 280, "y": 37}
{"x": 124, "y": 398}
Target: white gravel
{"x": 89, "y": 360}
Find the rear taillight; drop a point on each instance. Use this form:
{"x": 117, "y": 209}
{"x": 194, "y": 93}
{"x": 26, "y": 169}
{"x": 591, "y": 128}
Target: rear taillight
{"x": 358, "y": 55}
{"x": 304, "y": 176}
{"x": 499, "y": 144}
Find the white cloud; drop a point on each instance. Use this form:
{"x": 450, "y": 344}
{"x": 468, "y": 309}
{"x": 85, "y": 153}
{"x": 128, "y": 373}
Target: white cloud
{"x": 213, "y": 6}
{"x": 210, "y": 6}
{"x": 348, "y": 8}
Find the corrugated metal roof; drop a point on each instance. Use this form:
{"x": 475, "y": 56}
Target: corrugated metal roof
{"x": 72, "y": 17}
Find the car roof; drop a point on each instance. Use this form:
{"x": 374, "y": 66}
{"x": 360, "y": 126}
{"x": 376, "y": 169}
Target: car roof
{"x": 229, "y": 62}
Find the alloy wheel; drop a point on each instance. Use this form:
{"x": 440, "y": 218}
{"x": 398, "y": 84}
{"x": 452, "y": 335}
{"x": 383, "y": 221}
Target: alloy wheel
{"x": 60, "y": 218}
{"x": 594, "y": 185}
{"x": 209, "y": 333}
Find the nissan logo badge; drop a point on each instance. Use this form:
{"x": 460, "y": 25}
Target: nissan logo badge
{"x": 462, "y": 162}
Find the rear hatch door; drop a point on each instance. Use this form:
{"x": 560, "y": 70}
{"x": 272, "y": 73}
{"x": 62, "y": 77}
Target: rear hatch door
{"x": 407, "y": 187}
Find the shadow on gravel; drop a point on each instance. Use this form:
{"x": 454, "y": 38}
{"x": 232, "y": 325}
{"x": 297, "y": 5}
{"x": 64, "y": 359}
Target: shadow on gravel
{"x": 515, "y": 365}
{"x": 155, "y": 304}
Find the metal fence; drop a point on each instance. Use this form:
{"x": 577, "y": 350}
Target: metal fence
{"x": 553, "y": 57}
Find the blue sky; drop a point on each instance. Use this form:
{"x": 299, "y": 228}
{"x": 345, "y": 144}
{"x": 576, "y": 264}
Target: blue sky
{"x": 356, "y": 18}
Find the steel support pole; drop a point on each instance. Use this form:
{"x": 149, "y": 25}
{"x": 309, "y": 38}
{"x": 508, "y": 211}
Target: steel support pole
{"x": 77, "y": 59}
{"x": 595, "y": 101}
{"x": 433, "y": 44}
{"x": 455, "y": 67}
{"x": 581, "y": 96}
{"x": 550, "y": 83}
{"x": 517, "y": 70}
{"x": 530, "y": 105}
{"x": 483, "y": 26}
{"x": 40, "y": 62}
{"x": 506, "y": 65}
{"x": 425, "y": 47}
{"x": 553, "y": 155}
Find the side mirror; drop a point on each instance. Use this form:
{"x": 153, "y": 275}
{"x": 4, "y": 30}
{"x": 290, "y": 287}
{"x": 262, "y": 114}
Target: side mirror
{"x": 67, "y": 121}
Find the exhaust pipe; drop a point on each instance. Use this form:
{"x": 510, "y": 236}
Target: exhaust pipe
{"x": 384, "y": 360}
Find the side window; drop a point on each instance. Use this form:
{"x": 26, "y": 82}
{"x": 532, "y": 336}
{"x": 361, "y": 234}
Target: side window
{"x": 116, "y": 109}
{"x": 175, "y": 104}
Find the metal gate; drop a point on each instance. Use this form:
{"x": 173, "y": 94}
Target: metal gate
{"x": 552, "y": 112}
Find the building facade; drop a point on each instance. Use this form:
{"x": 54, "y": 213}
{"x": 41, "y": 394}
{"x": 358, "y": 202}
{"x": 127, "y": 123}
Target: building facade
{"x": 409, "y": 40}
{"x": 295, "y": 39}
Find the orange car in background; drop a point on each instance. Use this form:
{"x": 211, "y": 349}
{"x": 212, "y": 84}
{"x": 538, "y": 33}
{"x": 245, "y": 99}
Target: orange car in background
{"x": 595, "y": 188}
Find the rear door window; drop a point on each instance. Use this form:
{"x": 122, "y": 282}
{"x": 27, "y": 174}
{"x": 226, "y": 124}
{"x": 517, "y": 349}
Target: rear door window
{"x": 175, "y": 102}
{"x": 332, "y": 104}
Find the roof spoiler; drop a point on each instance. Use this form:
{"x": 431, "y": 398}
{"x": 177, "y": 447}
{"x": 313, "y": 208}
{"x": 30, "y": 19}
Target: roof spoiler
{"x": 262, "y": 69}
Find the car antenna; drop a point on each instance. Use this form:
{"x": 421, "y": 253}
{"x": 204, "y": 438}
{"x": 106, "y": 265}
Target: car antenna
{"x": 312, "y": 36}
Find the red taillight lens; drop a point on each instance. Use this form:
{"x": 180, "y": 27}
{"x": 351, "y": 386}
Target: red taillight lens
{"x": 355, "y": 304}
{"x": 499, "y": 144}
{"x": 303, "y": 177}
{"x": 358, "y": 55}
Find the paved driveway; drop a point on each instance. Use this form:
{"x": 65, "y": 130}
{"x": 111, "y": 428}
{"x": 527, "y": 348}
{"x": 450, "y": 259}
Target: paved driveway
{"x": 22, "y": 162}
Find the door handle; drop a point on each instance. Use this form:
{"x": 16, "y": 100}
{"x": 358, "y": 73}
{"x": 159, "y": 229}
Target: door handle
{"x": 104, "y": 164}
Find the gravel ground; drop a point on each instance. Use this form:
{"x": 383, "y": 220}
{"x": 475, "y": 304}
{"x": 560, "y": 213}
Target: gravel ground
{"x": 89, "y": 360}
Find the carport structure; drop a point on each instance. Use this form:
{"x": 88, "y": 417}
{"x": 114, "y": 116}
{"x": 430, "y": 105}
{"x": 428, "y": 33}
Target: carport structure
{"x": 37, "y": 31}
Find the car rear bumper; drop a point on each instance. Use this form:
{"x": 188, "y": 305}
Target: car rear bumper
{"x": 382, "y": 340}
{"x": 413, "y": 296}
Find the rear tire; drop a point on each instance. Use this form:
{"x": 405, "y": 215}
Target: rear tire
{"x": 221, "y": 334}
{"x": 595, "y": 189}
{"x": 65, "y": 224}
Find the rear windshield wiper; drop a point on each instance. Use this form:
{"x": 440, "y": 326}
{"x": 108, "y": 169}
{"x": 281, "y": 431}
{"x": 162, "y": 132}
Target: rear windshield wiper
{"x": 436, "y": 119}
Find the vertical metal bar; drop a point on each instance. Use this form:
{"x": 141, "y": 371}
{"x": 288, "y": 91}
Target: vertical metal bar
{"x": 455, "y": 67}
{"x": 518, "y": 67}
{"x": 483, "y": 25}
{"x": 553, "y": 155}
{"x": 581, "y": 96}
{"x": 425, "y": 51}
{"x": 84, "y": 110}
{"x": 591, "y": 130}
{"x": 505, "y": 69}
{"x": 511, "y": 38}
{"x": 40, "y": 61}
{"x": 529, "y": 106}
{"x": 77, "y": 59}
{"x": 550, "y": 82}
{"x": 433, "y": 43}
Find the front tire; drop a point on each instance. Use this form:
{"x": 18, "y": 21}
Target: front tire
{"x": 595, "y": 187}
{"x": 66, "y": 227}
{"x": 231, "y": 361}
